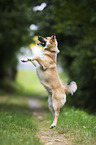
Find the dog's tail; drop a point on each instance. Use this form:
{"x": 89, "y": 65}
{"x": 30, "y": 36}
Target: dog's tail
{"x": 71, "y": 88}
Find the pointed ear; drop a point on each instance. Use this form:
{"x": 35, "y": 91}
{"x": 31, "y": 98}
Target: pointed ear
{"x": 53, "y": 36}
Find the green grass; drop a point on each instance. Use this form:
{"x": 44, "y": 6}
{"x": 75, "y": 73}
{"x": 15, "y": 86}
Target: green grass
{"x": 79, "y": 125}
{"x": 76, "y": 125}
{"x": 17, "y": 125}
{"x": 73, "y": 123}
{"x": 29, "y": 84}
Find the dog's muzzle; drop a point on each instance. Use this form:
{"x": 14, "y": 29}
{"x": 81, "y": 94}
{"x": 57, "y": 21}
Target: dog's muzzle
{"x": 42, "y": 41}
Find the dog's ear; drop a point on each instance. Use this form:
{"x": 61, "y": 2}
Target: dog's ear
{"x": 53, "y": 36}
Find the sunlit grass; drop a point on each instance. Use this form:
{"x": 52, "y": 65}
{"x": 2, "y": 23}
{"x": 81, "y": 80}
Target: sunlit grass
{"x": 76, "y": 125}
{"x": 17, "y": 125}
{"x": 29, "y": 83}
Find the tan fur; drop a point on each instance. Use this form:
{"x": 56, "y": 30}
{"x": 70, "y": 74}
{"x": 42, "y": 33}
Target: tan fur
{"x": 48, "y": 76}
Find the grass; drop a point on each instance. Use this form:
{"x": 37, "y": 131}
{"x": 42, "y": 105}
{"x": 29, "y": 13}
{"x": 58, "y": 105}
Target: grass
{"x": 17, "y": 125}
{"x": 73, "y": 123}
{"x": 76, "y": 125}
{"x": 29, "y": 84}
{"x": 79, "y": 125}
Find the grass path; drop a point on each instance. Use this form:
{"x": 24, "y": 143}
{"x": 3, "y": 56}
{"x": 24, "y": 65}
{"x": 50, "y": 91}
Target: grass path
{"x": 46, "y": 135}
{"x": 74, "y": 127}
{"x": 17, "y": 124}
{"x": 21, "y": 125}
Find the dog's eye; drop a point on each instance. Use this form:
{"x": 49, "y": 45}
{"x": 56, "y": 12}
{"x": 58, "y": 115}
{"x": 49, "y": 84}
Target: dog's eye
{"x": 45, "y": 37}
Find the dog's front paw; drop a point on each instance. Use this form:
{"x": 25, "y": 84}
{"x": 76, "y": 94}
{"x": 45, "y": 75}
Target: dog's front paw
{"x": 52, "y": 126}
{"x": 29, "y": 59}
{"x": 24, "y": 60}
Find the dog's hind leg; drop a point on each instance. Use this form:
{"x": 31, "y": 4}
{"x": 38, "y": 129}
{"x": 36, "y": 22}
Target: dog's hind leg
{"x": 50, "y": 104}
{"x": 55, "y": 119}
{"x": 57, "y": 110}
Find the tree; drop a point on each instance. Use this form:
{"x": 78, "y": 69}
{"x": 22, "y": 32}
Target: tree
{"x": 15, "y": 19}
{"x": 78, "y": 23}
{"x": 74, "y": 23}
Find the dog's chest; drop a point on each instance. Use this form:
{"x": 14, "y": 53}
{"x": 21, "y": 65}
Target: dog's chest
{"x": 43, "y": 79}
{"x": 40, "y": 73}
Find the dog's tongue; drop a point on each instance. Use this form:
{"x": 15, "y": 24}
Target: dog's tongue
{"x": 40, "y": 43}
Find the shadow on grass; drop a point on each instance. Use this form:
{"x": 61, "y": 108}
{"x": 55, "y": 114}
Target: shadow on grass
{"x": 12, "y": 108}
{"x": 17, "y": 108}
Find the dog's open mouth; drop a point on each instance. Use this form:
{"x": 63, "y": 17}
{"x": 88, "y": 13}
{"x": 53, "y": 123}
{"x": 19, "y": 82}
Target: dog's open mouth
{"x": 42, "y": 41}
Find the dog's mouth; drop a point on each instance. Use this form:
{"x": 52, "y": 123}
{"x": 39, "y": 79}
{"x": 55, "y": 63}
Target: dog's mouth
{"x": 42, "y": 41}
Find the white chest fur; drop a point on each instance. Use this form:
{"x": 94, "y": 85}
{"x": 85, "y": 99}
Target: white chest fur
{"x": 40, "y": 73}
{"x": 42, "y": 79}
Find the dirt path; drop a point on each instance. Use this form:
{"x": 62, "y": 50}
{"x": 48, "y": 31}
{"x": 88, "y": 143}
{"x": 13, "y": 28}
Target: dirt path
{"x": 46, "y": 135}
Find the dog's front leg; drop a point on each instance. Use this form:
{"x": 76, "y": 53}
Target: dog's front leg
{"x": 26, "y": 60}
{"x": 29, "y": 59}
{"x": 42, "y": 62}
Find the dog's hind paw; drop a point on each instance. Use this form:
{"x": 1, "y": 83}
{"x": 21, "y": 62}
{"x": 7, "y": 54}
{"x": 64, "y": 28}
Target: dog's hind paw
{"x": 52, "y": 126}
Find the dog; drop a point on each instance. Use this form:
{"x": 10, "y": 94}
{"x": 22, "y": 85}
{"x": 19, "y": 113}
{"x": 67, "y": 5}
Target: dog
{"x": 49, "y": 78}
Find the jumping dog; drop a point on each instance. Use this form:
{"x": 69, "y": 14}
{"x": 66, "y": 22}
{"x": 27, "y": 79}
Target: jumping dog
{"x": 49, "y": 78}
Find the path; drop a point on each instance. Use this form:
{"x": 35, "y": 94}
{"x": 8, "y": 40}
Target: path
{"x": 46, "y": 135}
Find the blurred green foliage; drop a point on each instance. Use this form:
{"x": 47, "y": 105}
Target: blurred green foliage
{"x": 74, "y": 23}
{"x": 15, "y": 19}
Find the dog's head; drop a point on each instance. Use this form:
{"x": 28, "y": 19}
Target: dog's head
{"x": 49, "y": 43}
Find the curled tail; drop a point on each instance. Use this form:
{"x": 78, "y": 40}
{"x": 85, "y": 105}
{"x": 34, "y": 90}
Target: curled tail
{"x": 71, "y": 88}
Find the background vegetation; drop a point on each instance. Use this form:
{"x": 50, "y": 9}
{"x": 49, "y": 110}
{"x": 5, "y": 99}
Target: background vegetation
{"x": 74, "y": 23}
